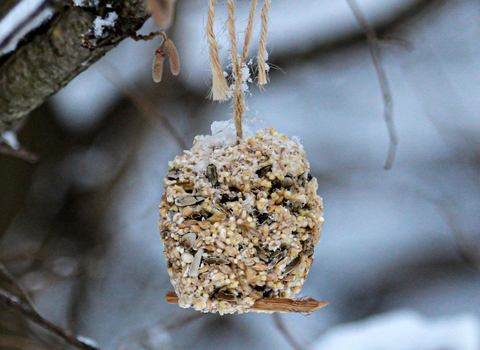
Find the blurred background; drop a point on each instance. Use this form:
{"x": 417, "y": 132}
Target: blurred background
{"x": 399, "y": 258}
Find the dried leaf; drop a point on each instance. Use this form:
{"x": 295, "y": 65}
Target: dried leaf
{"x": 172, "y": 56}
{"x": 157, "y": 67}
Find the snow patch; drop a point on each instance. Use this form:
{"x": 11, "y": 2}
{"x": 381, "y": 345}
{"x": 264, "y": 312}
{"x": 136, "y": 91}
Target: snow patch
{"x": 83, "y": 3}
{"x": 405, "y": 330}
{"x": 99, "y": 24}
{"x": 10, "y": 138}
{"x": 88, "y": 341}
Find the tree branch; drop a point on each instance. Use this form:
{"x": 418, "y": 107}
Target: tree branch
{"x": 282, "y": 328}
{"x": 51, "y": 56}
{"x": 16, "y": 304}
{"x": 374, "y": 45}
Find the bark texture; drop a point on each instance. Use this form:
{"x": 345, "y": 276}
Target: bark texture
{"x": 57, "y": 52}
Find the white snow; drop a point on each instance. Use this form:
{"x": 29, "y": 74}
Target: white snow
{"x": 404, "y": 330}
{"x": 99, "y": 24}
{"x": 88, "y": 341}
{"x": 83, "y": 3}
{"x": 245, "y": 76}
{"x": 223, "y": 135}
{"x": 10, "y": 138}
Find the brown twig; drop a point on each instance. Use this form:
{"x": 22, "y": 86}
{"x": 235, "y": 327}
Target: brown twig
{"x": 21, "y": 153}
{"x": 148, "y": 37}
{"x": 374, "y": 45}
{"x": 163, "y": 11}
{"x": 26, "y": 310}
{"x": 277, "y": 318}
{"x": 273, "y": 304}
{"x": 13, "y": 282}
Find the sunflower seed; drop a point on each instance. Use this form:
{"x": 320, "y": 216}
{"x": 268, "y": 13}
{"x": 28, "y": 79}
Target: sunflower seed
{"x": 226, "y": 198}
{"x": 265, "y": 290}
{"x": 173, "y": 175}
{"x": 212, "y": 175}
{"x": 187, "y": 241}
{"x": 275, "y": 186}
{"x": 226, "y": 296}
{"x": 196, "y": 216}
{"x": 302, "y": 179}
{"x": 264, "y": 171}
{"x": 193, "y": 272}
{"x": 309, "y": 252}
{"x": 188, "y": 200}
{"x": 262, "y": 218}
{"x": 290, "y": 267}
{"x": 215, "y": 261}
{"x": 275, "y": 257}
{"x": 200, "y": 215}
{"x": 261, "y": 253}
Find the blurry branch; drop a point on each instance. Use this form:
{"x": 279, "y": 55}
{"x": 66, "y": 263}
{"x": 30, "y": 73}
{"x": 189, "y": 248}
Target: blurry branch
{"x": 52, "y": 55}
{"x": 20, "y": 256}
{"x": 147, "y": 108}
{"x": 374, "y": 45}
{"x": 26, "y": 309}
{"x": 9, "y": 145}
{"x": 157, "y": 336}
{"x": 163, "y": 11}
{"x": 468, "y": 248}
{"x": 277, "y": 318}
{"x": 13, "y": 282}
{"x": 21, "y": 153}
{"x": 15, "y": 304}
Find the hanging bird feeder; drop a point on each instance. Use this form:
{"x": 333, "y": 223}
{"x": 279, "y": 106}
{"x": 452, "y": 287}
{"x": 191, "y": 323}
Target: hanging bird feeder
{"x": 240, "y": 216}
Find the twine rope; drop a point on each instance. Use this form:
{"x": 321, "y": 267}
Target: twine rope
{"x": 248, "y": 32}
{"x": 220, "y": 90}
{"x": 238, "y": 103}
{"x": 262, "y": 48}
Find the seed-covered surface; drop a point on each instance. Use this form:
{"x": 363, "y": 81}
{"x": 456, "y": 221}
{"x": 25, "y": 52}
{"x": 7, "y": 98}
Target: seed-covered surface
{"x": 239, "y": 223}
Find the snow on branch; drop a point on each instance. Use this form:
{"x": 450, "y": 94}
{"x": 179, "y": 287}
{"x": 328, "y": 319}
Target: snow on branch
{"x": 50, "y": 56}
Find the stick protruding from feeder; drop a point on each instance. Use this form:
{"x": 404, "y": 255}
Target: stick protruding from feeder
{"x": 270, "y": 305}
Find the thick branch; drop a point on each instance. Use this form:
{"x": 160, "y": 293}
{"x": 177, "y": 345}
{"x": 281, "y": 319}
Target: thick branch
{"x": 54, "y": 56}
